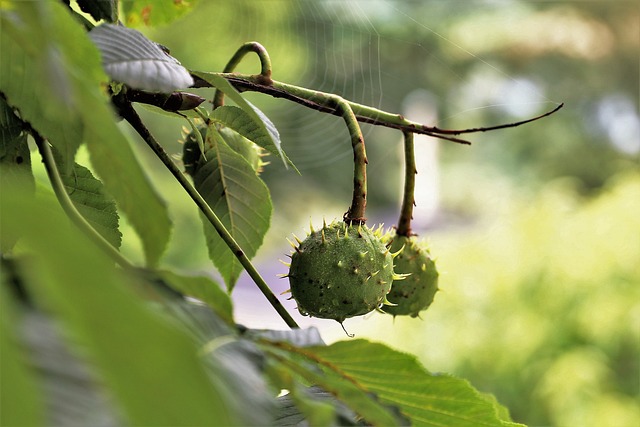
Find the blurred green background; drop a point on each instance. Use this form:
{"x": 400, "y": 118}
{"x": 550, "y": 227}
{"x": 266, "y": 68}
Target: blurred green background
{"x": 536, "y": 229}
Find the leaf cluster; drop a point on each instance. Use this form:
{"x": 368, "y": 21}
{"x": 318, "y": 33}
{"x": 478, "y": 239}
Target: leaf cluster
{"x": 124, "y": 345}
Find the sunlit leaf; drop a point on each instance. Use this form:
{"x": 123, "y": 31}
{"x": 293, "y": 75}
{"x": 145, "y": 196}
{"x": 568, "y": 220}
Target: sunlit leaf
{"x": 131, "y": 58}
{"x": 154, "y": 12}
{"x": 395, "y": 379}
{"x": 264, "y": 125}
{"x": 239, "y": 197}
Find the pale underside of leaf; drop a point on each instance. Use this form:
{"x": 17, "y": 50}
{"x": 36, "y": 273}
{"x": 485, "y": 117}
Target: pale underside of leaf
{"x": 129, "y": 57}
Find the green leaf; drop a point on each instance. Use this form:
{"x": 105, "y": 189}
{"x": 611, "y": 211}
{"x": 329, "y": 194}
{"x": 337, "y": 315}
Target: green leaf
{"x": 303, "y": 363}
{"x": 15, "y": 162}
{"x": 20, "y": 396}
{"x": 154, "y": 12}
{"x": 50, "y": 71}
{"x": 203, "y": 289}
{"x": 150, "y": 366}
{"x": 269, "y": 136}
{"x": 36, "y": 71}
{"x": 89, "y": 197}
{"x": 131, "y": 58}
{"x": 238, "y": 197}
{"x": 399, "y": 379}
{"x": 100, "y": 9}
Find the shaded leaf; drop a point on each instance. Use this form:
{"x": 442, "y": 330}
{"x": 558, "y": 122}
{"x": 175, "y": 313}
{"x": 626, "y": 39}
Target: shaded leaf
{"x": 203, "y": 289}
{"x": 154, "y": 12}
{"x": 265, "y": 126}
{"x": 237, "y": 363}
{"x": 131, "y": 58}
{"x": 20, "y": 397}
{"x": 100, "y": 9}
{"x": 135, "y": 349}
{"x": 306, "y": 337}
{"x": 312, "y": 406}
{"x": 239, "y": 198}
{"x": 97, "y": 207}
{"x": 50, "y": 71}
{"x": 304, "y": 364}
{"x": 72, "y": 390}
{"x": 15, "y": 162}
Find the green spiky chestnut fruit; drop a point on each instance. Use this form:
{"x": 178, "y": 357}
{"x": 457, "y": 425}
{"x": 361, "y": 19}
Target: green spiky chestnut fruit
{"x": 340, "y": 271}
{"x": 416, "y": 292}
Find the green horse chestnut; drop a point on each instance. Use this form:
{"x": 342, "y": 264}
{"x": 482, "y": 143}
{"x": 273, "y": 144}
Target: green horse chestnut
{"x": 415, "y": 293}
{"x": 340, "y": 271}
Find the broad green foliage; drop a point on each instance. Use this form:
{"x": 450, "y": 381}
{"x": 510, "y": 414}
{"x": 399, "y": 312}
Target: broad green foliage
{"x": 41, "y": 77}
{"x": 131, "y": 333}
{"x": 238, "y": 196}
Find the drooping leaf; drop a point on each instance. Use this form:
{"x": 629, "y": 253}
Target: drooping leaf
{"x": 154, "y": 12}
{"x": 131, "y": 58}
{"x": 20, "y": 396}
{"x": 204, "y": 289}
{"x": 94, "y": 204}
{"x": 239, "y": 198}
{"x": 150, "y": 366}
{"x": 399, "y": 379}
{"x": 50, "y": 71}
{"x": 101, "y": 9}
{"x": 269, "y": 135}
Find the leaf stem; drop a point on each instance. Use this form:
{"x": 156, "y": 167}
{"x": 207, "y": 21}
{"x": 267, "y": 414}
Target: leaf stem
{"x": 265, "y": 67}
{"x": 68, "y": 206}
{"x": 408, "y": 198}
{"x": 130, "y": 115}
